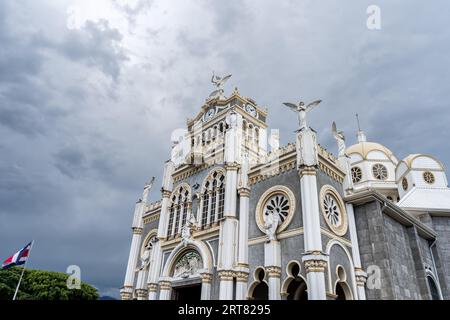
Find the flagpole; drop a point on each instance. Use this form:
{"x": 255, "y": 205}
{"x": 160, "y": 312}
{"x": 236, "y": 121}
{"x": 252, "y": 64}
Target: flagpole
{"x": 23, "y": 270}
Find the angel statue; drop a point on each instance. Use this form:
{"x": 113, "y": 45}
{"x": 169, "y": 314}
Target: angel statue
{"x": 302, "y": 110}
{"x": 218, "y": 82}
{"x": 339, "y": 136}
{"x": 271, "y": 221}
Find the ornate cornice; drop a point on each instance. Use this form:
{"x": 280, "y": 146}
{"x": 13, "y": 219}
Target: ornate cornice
{"x": 226, "y": 275}
{"x": 315, "y": 265}
{"x": 206, "y": 277}
{"x": 126, "y": 293}
{"x": 241, "y": 276}
{"x": 315, "y": 261}
{"x": 150, "y": 218}
{"x": 307, "y": 171}
{"x": 152, "y": 287}
{"x": 165, "y": 193}
{"x": 244, "y": 192}
{"x": 360, "y": 276}
{"x": 165, "y": 285}
{"x": 137, "y": 230}
{"x": 273, "y": 271}
{"x": 232, "y": 166}
{"x": 142, "y": 293}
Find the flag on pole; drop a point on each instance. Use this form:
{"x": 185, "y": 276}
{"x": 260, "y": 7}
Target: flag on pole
{"x": 17, "y": 259}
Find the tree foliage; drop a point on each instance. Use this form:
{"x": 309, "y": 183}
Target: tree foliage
{"x": 42, "y": 285}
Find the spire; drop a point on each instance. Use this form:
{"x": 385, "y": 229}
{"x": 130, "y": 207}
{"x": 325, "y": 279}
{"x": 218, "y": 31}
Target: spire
{"x": 361, "y": 135}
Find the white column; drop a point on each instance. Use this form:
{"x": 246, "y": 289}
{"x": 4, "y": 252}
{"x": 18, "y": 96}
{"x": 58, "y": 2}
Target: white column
{"x": 272, "y": 265}
{"x": 241, "y": 285}
{"x": 206, "y": 286}
{"x": 360, "y": 275}
{"x": 165, "y": 290}
{"x": 315, "y": 264}
{"x": 228, "y": 229}
{"x": 152, "y": 289}
{"x": 156, "y": 256}
{"x": 315, "y": 261}
{"x": 141, "y": 285}
{"x": 166, "y": 191}
{"x": 226, "y": 285}
{"x": 127, "y": 291}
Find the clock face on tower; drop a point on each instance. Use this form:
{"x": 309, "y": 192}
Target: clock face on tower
{"x": 209, "y": 114}
{"x": 250, "y": 109}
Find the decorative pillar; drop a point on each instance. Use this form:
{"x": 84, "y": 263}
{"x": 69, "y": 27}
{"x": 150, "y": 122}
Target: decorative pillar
{"x": 152, "y": 289}
{"x": 241, "y": 284}
{"x": 165, "y": 289}
{"x": 314, "y": 259}
{"x": 127, "y": 291}
{"x": 141, "y": 285}
{"x": 344, "y": 161}
{"x": 226, "y": 284}
{"x": 315, "y": 265}
{"x": 272, "y": 265}
{"x": 156, "y": 256}
{"x": 228, "y": 228}
{"x": 244, "y": 199}
{"x": 206, "y": 285}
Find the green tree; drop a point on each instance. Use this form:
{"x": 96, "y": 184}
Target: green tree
{"x": 42, "y": 285}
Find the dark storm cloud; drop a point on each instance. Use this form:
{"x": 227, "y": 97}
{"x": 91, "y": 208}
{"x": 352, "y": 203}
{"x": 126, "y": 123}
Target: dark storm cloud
{"x": 84, "y": 125}
{"x": 96, "y": 44}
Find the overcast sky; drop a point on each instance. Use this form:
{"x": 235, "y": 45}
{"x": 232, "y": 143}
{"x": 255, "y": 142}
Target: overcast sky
{"x": 90, "y": 92}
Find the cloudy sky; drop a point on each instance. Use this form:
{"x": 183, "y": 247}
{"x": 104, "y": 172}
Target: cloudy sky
{"x": 90, "y": 92}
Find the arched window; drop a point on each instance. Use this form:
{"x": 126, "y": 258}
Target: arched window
{"x": 340, "y": 293}
{"x": 433, "y": 289}
{"x": 213, "y": 198}
{"x": 261, "y": 289}
{"x": 297, "y": 286}
{"x": 179, "y": 210}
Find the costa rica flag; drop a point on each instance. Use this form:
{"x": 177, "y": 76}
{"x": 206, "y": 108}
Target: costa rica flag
{"x": 17, "y": 259}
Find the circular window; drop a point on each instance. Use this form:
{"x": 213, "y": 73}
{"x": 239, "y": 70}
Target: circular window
{"x": 333, "y": 210}
{"x": 356, "y": 174}
{"x": 279, "y": 200}
{"x": 279, "y": 204}
{"x": 379, "y": 171}
{"x": 428, "y": 177}
{"x": 405, "y": 184}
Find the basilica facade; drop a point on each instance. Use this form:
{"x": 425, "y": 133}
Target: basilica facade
{"x": 241, "y": 217}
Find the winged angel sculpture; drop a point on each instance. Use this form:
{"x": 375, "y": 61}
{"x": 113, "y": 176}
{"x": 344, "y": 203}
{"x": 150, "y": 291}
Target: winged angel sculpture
{"x": 302, "y": 111}
{"x": 340, "y": 138}
{"x": 218, "y": 82}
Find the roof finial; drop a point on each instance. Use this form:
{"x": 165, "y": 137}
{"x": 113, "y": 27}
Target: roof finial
{"x": 361, "y": 135}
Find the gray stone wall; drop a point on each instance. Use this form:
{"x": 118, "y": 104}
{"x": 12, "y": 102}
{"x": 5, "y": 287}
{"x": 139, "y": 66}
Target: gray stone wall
{"x": 398, "y": 250}
{"x": 441, "y": 253}
{"x": 373, "y": 247}
{"x": 401, "y": 260}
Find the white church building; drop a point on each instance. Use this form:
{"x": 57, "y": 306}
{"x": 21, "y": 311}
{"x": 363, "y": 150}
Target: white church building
{"x": 242, "y": 218}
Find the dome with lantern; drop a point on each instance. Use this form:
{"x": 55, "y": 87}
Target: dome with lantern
{"x": 373, "y": 167}
{"x": 422, "y": 184}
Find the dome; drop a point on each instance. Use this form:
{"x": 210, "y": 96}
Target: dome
{"x": 371, "y": 151}
{"x": 422, "y": 161}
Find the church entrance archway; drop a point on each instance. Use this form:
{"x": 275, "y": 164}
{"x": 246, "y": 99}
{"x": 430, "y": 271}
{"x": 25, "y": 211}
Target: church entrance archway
{"x": 187, "y": 293}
